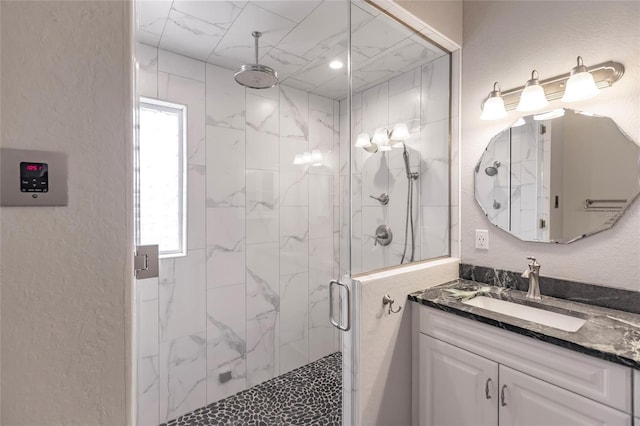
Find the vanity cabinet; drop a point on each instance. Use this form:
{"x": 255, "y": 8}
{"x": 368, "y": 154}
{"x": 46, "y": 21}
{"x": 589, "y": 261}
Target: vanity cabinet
{"x": 464, "y": 389}
{"x": 471, "y": 373}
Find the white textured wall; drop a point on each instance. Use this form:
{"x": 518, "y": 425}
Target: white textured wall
{"x": 504, "y": 41}
{"x": 385, "y": 340}
{"x": 66, "y": 270}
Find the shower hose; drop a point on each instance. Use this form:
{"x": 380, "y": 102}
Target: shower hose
{"x": 409, "y": 221}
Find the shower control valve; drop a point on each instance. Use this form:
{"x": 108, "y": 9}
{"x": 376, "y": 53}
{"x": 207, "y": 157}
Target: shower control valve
{"x": 384, "y": 236}
{"x": 382, "y": 199}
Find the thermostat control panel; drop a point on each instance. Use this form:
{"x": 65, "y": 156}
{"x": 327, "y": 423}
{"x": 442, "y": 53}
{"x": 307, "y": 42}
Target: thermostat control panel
{"x": 33, "y": 178}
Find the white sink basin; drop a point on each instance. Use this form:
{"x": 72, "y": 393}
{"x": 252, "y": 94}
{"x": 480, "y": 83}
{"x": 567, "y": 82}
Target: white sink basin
{"x": 540, "y": 316}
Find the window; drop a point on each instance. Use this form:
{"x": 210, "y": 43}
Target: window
{"x": 161, "y": 177}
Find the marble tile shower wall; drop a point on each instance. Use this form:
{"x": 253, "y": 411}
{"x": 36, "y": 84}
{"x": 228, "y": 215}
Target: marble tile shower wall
{"x": 250, "y": 300}
{"x": 496, "y": 196}
{"x": 516, "y": 199}
{"x": 526, "y": 157}
{"x": 419, "y": 98}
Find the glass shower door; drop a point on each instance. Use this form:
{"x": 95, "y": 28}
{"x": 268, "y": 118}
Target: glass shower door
{"x": 394, "y": 165}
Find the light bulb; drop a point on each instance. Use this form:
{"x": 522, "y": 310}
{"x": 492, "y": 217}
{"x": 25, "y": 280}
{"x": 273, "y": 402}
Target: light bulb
{"x": 400, "y": 132}
{"x": 532, "y": 97}
{"x": 493, "y": 108}
{"x": 580, "y": 85}
{"x": 385, "y": 147}
{"x": 363, "y": 141}
{"x": 297, "y": 160}
{"x": 380, "y": 136}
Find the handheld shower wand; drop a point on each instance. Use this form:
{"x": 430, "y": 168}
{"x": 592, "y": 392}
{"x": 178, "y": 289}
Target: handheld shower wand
{"x": 411, "y": 176}
{"x": 405, "y": 157}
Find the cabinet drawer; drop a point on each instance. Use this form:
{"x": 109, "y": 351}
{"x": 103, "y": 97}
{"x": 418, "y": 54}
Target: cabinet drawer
{"x": 585, "y": 375}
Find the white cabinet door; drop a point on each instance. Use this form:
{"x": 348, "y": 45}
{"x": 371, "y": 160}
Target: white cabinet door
{"x": 527, "y": 401}
{"x": 457, "y": 387}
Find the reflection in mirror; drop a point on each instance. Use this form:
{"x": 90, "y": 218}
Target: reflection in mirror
{"x": 558, "y": 176}
{"x": 400, "y": 103}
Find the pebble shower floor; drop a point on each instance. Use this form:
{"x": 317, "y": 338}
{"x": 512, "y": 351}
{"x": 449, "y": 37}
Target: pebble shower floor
{"x": 309, "y": 395}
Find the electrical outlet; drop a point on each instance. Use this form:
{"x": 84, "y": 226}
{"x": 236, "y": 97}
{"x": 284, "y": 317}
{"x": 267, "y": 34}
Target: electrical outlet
{"x": 482, "y": 239}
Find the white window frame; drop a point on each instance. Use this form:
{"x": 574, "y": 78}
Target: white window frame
{"x": 181, "y": 110}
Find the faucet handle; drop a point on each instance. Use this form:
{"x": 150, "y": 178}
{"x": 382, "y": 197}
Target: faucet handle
{"x": 382, "y": 199}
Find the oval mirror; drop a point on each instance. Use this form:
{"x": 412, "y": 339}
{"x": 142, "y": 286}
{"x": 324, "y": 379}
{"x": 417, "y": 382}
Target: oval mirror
{"x": 558, "y": 176}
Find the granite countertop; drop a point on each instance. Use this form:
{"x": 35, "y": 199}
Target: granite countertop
{"x": 608, "y": 334}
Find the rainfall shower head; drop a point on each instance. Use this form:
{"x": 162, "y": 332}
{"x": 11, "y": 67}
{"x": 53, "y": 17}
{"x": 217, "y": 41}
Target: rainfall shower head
{"x": 492, "y": 170}
{"x": 256, "y": 76}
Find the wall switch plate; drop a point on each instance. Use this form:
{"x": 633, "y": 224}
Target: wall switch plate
{"x": 482, "y": 239}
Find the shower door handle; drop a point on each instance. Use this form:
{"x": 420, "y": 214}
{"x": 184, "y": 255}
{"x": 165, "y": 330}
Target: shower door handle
{"x": 335, "y": 323}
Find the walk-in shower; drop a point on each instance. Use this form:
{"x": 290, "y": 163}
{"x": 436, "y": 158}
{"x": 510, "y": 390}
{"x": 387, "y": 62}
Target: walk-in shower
{"x": 277, "y": 196}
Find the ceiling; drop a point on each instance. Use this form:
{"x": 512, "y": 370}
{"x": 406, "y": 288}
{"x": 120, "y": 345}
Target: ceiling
{"x": 299, "y": 39}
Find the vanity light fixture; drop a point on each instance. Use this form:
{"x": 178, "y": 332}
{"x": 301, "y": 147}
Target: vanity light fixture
{"x": 382, "y": 137}
{"x": 580, "y": 85}
{"x": 493, "y": 106}
{"x": 532, "y": 97}
{"x": 604, "y": 75}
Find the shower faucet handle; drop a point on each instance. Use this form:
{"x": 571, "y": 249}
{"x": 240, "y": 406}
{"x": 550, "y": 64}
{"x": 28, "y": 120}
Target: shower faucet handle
{"x": 383, "y": 236}
{"x": 382, "y": 199}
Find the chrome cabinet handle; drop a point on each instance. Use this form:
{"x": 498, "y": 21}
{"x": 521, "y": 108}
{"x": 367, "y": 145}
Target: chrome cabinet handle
{"x": 335, "y": 323}
{"x": 486, "y": 389}
{"x": 502, "y": 399}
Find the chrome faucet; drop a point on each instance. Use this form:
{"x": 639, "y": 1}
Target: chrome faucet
{"x": 533, "y": 273}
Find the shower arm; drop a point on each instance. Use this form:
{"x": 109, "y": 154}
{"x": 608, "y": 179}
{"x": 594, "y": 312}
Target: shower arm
{"x": 256, "y": 35}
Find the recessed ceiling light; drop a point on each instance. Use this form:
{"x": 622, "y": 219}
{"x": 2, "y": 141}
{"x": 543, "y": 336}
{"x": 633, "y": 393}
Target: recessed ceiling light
{"x": 336, "y": 65}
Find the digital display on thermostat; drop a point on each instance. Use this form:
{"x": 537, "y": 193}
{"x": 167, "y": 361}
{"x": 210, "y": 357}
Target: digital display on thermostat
{"x": 34, "y": 177}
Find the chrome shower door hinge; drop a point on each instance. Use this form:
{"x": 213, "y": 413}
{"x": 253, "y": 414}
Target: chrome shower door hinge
{"x": 145, "y": 262}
